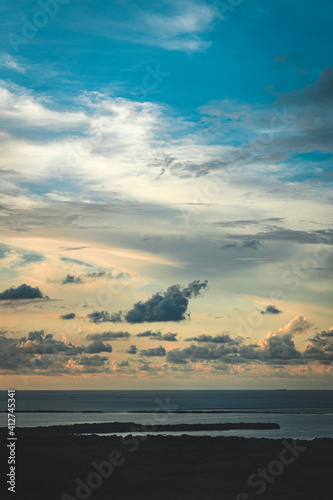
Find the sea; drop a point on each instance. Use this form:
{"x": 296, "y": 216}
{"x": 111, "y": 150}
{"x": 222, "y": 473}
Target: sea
{"x": 306, "y": 414}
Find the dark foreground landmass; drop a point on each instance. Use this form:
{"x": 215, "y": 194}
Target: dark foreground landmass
{"x": 108, "y": 427}
{"x": 169, "y": 468}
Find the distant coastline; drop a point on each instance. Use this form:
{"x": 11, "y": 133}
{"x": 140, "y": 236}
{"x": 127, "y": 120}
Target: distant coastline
{"x": 109, "y": 427}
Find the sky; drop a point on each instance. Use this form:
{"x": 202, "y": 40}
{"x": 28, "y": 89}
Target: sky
{"x": 165, "y": 198}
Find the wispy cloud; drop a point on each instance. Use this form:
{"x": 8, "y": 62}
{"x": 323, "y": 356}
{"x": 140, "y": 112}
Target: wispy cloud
{"x": 169, "y": 25}
{"x": 9, "y": 62}
{"x": 182, "y": 28}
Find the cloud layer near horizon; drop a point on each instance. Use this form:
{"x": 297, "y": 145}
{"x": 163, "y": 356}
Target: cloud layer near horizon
{"x": 172, "y": 163}
{"x": 40, "y": 354}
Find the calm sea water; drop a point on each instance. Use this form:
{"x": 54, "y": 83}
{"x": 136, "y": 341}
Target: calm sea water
{"x": 301, "y": 414}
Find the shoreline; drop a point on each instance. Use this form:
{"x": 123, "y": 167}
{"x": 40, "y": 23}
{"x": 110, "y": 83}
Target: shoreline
{"x": 109, "y": 427}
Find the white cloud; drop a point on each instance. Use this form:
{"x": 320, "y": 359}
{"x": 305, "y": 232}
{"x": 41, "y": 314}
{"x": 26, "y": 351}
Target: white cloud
{"x": 7, "y": 61}
{"x": 181, "y": 29}
{"x": 20, "y": 108}
{"x": 171, "y": 25}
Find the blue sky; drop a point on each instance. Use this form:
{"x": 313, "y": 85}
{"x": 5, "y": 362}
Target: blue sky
{"x": 107, "y": 45}
{"x": 149, "y": 145}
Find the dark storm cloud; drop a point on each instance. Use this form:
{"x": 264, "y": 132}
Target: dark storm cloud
{"x": 170, "y": 305}
{"x": 22, "y": 292}
{"x": 96, "y": 347}
{"x": 132, "y": 349}
{"x": 108, "y": 336}
{"x": 155, "y": 351}
{"x": 105, "y": 317}
{"x": 271, "y": 310}
{"x": 68, "y": 316}
{"x": 169, "y": 337}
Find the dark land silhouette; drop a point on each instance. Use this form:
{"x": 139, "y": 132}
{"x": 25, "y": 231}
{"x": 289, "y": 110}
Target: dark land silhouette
{"x": 169, "y": 468}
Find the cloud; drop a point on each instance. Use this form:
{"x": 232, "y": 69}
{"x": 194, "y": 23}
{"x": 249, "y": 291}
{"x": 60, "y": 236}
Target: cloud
{"x": 155, "y": 351}
{"x": 279, "y": 347}
{"x": 71, "y": 279}
{"x": 22, "y": 292}
{"x": 275, "y": 348}
{"x": 318, "y": 93}
{"x": 180, "y": 28}
{"x": 248, "y": 243}
{"x": 92, "y": 360}
{"x": 281, "y": 235}
{"x": 14, "y": 259}
{"x": 105, "y": 317}
{"x": 101, "y": 274}
{"x": 132, "y": 349}
{"x": 123, "y": 364}
{"x": 166, "y": 306}
{"x": 169, "y": 337}
{"x": 7, "y": 61}
{"x": 18, "y": 106}
{"x": 96, "y": 347}
{"x": 84, "y": 278}
{"x": 248, "y": 222}
{"x": 218, "y": 339}
{"x": 194, "y": 353}
{"x": 271, "y": 309}
{"x": 297, "y": 326}
{"x": 38, "y": 342}
{"x": 320, "y": 347}
{"x": 68, "y": 316}
{"x": 40, "y": 353}
{"x": 108, "y": 336}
